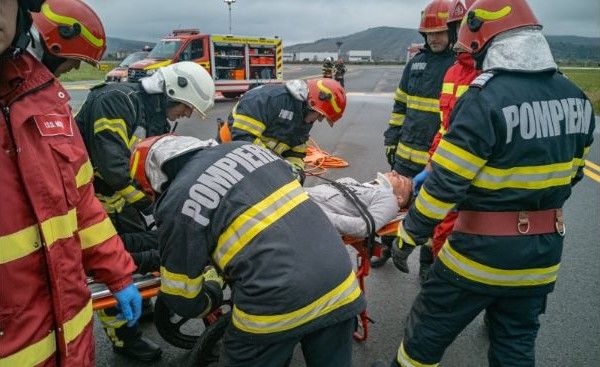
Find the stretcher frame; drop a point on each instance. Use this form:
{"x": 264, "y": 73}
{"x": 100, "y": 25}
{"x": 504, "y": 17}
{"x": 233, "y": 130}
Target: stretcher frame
{"x": 149, "y": 284}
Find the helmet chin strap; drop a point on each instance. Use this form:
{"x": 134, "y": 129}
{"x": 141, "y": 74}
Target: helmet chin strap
{"x": 22, "y": 36}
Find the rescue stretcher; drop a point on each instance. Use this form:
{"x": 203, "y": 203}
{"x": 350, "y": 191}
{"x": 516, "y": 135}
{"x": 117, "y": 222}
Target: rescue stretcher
{"x": 169, "y": 328}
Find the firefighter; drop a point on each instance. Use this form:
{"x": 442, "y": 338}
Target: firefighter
{"x": 280, "y": 117}
{"x": 65, "y": 33}
{"x": 415, "y": 118}
{"x": 517, "y": 143}
{"x": 328, "y": 67}
{"x": 112, "y": 120}
{"x": 53, "y": 231}
{"x": 238, "y": 207}
{"x": 340, "y": 71}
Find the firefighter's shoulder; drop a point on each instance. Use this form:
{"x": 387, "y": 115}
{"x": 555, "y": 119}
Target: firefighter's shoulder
{"x": 482, "y": 80}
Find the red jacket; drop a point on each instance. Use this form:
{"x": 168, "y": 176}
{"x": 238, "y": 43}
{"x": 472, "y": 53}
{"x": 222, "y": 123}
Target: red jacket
{"x": 52, "y": 228}
{"x": 456, "y": 82}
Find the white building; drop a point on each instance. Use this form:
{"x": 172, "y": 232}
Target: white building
{"x": 287, "y": 56}
{"x": 314, "y": 56}
{"x": 360, "y": 56}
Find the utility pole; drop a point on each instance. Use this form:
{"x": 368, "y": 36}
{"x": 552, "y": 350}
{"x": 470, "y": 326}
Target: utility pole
{"x": 339, "y": 46}
{"x": 229, "y": 2}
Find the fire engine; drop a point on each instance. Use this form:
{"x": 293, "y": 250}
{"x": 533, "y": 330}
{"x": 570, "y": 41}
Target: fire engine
{"x": 235, "y": 62}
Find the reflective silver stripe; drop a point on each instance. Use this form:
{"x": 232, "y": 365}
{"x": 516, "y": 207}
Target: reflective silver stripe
{"x": 430, "y": 206}
{"x": 404, "y": 360}
{"x": 400, "y": 95}
{"x": 484, "y": 176}
{"x": 454, "y": 163}
{"x": 413, "y": 155}
{"x": 180, "y": 284}
{"x": 480, "y": 273}
{"x": 343, "y": 294}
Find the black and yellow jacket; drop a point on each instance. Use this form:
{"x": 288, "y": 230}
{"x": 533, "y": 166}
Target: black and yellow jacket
{"x": 113, "y": 118}
{"x": 517, "y": 142}
{"x": 415, "y": 118}
{"x": 272, "y": 117}
{"x": 238, "y": 207}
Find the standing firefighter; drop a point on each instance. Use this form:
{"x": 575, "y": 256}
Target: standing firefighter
{"x": 112, "y": 120}
{"x": 238, "y": 207}
{"x": 516, "y": 146}
{"x": 416, "y": 115}
{"x": 328, "y": 67}
{"x": 340, "y": 71}
{"x": 279, "y": 117}
{"x": 53, "y": 231}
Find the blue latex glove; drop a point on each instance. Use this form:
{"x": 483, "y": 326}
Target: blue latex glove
{"x": 130, "y": 304}
{"x": 418, "y": 181}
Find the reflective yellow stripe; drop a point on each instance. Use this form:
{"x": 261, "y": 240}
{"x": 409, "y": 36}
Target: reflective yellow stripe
{"x": 74, "y": 327}
{"x": 423, "y": 104}
{"x": 180, "y": 284}
{"x": 96, "y": 233}
{"x": 112, "y": 204}
{"x": 484, "y": 14}
{"x": 448, "y": 88}
{"x": 400, "y": 95}
{"x": 461, "y": 90}
{"x": 279, "y": 147}
{"x": 411, "y": 154}
{"x": 256, "y": 219}
{"x": 85, "y": 174}
{"x": 299, "y": 149}
{"x": 134, "y": 166}
{"x": 404, "y": 360}
{"x": 249, "y": 124}
{"x": 32, "y": 355}
{"x": 64, "y": 20}
{"x": 131, "y": 194}
{"x": 59, "y": 227}
{"x": 397, "y": 119}
{"x": 480, "y": 273}
{"x": 432, "y": 207}
{"x": 19, "y": 244}
{"x": 404, "y": 236}
{"x": 442, "y": 130}
{"x": 457, "y": 160}
{"x": 117, "y": 126}
{"x": 345, "y": 293}
{"x": 328, "y": 91}
{"x": 526, "y": 177}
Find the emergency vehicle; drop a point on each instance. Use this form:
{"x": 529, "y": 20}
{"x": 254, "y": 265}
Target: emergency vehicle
{"x": 235, "y": 62}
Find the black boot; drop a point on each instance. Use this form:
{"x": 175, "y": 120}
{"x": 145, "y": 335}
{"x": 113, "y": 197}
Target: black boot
{"x": 386, "y": 244}
{"x": 140, "y": 349}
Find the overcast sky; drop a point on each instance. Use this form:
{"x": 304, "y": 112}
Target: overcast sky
{"x": 308, "y": 20}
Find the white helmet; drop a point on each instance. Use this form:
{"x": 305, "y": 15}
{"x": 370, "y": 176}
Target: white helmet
{"x": 189, "y": 83}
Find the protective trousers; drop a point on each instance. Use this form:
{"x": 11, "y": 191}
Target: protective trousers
{"x": 327, "y": 347}
{"x": 143, "y": 247}
{"x": 442, "y": 310}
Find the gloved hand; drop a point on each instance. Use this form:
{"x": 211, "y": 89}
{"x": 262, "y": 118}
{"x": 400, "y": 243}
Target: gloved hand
{"x": 210, "y": 275}
{"x": 390, "y": 154}
{"x": 400, "y": 255}
{"x": 130, "y": 304}
{"x": 418, "y": 181}
{"x": 298, "y": 172}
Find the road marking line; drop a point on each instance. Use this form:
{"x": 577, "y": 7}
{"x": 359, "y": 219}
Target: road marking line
{"x": 591, "y": 175}
{"x": 592, "y": 165}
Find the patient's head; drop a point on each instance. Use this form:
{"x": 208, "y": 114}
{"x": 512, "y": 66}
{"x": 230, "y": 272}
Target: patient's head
{"x": 401, "y": 186}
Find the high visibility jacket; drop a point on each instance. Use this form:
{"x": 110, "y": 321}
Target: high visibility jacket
{"x": 517, "y": 142}
{"x": 415, "y": 118}
{"x": 456, "y": 83}
{"x": 53, "y": 231}
{"x": 112, "y": 120}
{"x": 271, "y": 117}
{"x": 238, "y": 207}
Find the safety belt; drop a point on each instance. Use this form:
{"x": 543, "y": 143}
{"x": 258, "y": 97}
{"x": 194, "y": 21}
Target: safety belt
{"x": 362, "y": 209}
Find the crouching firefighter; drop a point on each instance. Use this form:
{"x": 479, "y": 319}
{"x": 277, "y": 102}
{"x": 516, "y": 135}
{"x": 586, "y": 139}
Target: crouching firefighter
{"x": 279, "y": 117}
{"x": 239, "y": 208}
{"x": 112, "y": 120}
{"x": 517, "y": 144}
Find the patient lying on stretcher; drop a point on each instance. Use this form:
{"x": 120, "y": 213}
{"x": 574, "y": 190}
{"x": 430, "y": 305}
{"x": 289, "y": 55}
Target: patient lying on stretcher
{"x": 383, "y": 197}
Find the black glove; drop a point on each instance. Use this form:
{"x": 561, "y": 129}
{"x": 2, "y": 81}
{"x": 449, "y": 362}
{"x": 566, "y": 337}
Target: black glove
{"x": 390, "y": 154}
{"x": 400, "y": 255}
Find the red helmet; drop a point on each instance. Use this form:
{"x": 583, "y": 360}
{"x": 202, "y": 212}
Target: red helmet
{"x": 327, "y": 97}
{"x": 435, "y": 16}
{"x": 487, "y": 18}
{"x": 71, "y": 29}
{"x": 469, "y": 3}
{"x": 137, "y": 163}
{"x": 457, "y": 12}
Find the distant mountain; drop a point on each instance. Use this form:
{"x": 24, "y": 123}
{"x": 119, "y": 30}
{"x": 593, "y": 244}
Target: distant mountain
{"x": 114, "y": 45}
{"x": 390, "y": 44}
